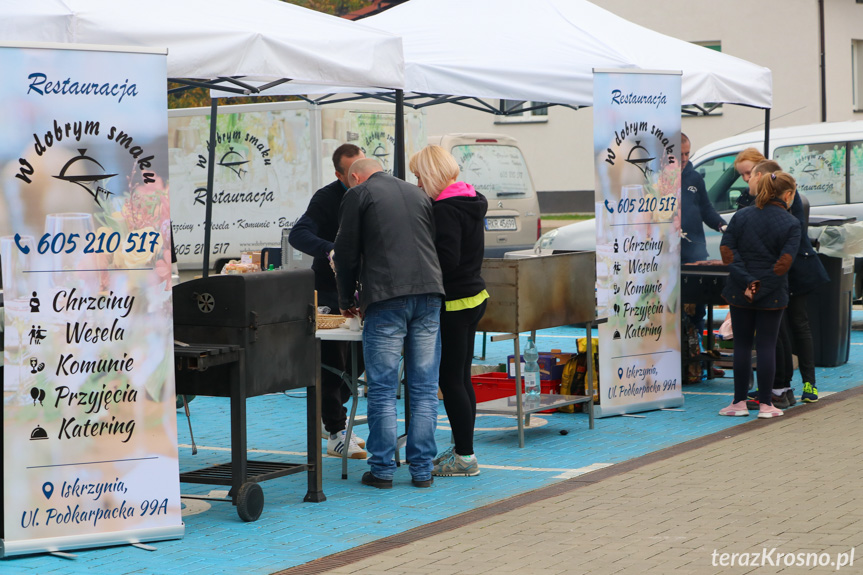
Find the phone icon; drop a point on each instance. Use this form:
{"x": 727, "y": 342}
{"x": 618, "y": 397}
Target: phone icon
{"x": 609, "y": 208}
{"x": 24, "y": 249}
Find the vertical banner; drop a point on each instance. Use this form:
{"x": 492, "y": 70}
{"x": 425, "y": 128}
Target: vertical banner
{"x": 89, "y": 434}
{"x": 263, "y": 180}
{"x": 636, "y": 153}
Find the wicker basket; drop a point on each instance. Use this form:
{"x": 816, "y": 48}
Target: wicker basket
{"x": 330, "y": 321}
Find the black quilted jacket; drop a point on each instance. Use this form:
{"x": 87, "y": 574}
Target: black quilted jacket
{"x": 760, "y": 245}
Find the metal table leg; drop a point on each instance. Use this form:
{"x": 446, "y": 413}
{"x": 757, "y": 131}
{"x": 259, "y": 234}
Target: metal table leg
{"x": 590, "y": 373}
{"x": 353, "y": 384}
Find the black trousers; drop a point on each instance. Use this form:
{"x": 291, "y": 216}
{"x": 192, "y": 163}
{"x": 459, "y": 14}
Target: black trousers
{"x": 801, "y": 337}
{"x": 784, "y": 352}
{"x": 759, "y": 326}
{"x": 334, "y": 391}
{"x": 457, "y": 336}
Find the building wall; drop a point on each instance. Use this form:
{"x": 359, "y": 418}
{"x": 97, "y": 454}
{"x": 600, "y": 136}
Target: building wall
{"x": 779, "y": 34}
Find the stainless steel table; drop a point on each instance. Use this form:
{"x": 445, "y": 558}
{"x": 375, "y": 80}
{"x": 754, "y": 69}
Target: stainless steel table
{"x": 532, "y": 293}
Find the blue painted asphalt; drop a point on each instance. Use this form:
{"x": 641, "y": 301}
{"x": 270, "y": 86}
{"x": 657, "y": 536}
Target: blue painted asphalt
{"x": 291, "y": 532}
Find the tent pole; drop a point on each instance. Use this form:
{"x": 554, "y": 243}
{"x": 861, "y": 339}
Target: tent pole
{"x": 399, "y": 167}
{"x": 211, "y": 167}
{"x": 766, "y": 132}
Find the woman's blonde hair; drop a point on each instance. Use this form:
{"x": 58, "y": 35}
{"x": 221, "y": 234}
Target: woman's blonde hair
{"x": 749, "y": 155}
{"x": 435, "y": 167}
{"x": 772, "y": 186}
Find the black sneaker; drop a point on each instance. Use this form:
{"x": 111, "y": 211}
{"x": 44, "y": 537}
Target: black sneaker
{"x": 780, "y": 401}
{"x": 789, "y": 395}
{"x": 423, "y": 482}
{"x": 370, "y": 479}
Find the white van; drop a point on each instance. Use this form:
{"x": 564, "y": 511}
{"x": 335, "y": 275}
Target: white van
{"x": 825, "y": 159}
{"x": 495, "y": 166}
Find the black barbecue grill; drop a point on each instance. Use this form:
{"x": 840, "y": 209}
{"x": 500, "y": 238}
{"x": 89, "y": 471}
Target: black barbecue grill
{"x": 249, "y": 335}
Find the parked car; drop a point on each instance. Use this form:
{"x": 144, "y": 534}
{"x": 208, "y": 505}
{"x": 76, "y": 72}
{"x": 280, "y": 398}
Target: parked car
{"x": 495, "y": 166}
{"x": 825, "y": 159}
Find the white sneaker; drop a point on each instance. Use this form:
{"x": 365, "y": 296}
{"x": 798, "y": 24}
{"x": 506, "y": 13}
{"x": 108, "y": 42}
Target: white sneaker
{"x": 354, "y": 437}
{"x": 357, "y": 439}
{"x": 335, "y": 446}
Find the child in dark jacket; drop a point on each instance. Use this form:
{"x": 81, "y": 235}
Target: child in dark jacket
{"x": 759, "y": 247}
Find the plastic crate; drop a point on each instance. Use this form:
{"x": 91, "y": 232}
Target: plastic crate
{"x": 495, "y": 385}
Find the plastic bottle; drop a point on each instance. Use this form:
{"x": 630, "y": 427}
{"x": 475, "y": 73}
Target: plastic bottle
{"x": 531, "y": 369}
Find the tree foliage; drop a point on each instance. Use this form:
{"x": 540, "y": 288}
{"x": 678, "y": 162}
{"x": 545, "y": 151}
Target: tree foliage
{"x": 334, "y": 7}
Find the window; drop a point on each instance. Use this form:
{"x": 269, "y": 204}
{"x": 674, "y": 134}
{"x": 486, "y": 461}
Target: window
{"x": 498, "y": 172}
{"x": 707, "y": 108}
{"x": 857, "y": 74}
{"x": 819, "y": 170}
{"x": 722, "y": 182}
{"x": 531, "y": 115}
{"x": 856, "y": 178}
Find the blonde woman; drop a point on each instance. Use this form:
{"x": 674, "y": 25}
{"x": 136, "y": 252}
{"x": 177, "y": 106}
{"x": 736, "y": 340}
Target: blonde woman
{"x": 459, "y": 213}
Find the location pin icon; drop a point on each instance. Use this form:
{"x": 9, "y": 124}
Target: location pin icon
{"x": 616, "y": 308}
{"x": 48, "y": 489}
{"x": 619, "y": 373}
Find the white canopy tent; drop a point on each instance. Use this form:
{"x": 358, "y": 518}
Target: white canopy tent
{"x": 469, "y": 51}
{"x": 243, "y": 47}
{"x": 546, "y": 51}
{"x": 266, "y": 40}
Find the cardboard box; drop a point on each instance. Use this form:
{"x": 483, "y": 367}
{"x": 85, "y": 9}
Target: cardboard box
{"x": 250, "y": 258}
{"x": 550, "y": 364}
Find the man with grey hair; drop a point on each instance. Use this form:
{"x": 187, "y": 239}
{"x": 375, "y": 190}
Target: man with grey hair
{"x": 385, "y": 245}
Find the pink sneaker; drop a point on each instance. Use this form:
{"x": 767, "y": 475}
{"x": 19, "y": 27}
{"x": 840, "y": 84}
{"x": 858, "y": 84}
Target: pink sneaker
{"x": 738, "y": 409}
{"x": 768, "y": 411}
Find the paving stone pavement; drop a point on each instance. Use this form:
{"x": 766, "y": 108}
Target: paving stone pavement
{"x": 760, "y": 490}
{"x": 358, "y": 522}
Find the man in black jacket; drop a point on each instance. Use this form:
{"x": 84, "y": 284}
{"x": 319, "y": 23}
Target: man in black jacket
{"x": 385, "y": 246}
{"x": 314, "y": 234}
{"x": 695, "y": 211}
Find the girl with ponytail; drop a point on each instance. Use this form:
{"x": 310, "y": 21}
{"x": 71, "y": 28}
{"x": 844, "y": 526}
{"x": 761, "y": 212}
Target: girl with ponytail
{"x": 759, "y": 247}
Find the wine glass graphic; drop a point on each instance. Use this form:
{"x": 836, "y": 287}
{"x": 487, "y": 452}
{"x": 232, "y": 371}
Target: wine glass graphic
{"x": 16, "y": 255}
{"x": 633, "y": 193}
{"x": 76, "y": 259}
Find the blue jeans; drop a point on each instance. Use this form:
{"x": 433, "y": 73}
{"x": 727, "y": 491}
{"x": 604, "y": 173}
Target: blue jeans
{"x": 411, "y": 323}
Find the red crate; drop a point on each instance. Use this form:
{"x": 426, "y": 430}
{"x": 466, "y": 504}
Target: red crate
{"x": 495, "y": 385}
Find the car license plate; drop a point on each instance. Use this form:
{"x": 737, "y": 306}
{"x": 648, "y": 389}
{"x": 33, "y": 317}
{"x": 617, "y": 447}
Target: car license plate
{"x": 495, "y": 224}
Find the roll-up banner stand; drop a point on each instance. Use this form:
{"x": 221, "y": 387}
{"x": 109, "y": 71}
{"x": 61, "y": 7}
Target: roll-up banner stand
{"x": 89, "y": 433}
{"x": 637, "y": 157}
